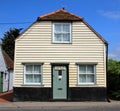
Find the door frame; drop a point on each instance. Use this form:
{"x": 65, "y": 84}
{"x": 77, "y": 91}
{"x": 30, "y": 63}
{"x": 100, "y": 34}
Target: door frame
{"x": 67, "y": 78}
{"x": 1, "y": 82}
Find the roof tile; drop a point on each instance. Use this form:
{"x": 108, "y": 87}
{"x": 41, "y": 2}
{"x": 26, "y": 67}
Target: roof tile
{"x": 59, "y": 15}
{"x": 8, "y": 60}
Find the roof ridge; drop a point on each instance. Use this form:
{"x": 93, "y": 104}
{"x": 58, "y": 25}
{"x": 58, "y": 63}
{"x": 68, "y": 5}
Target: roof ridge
{"x": 74, "y": 15}
{"x": 52, "y": 13}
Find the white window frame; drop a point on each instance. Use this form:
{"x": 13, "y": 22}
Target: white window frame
{"x": 87, "y": 83}
{"x": 53, "y": 35}
{"x": 26, "y": 83}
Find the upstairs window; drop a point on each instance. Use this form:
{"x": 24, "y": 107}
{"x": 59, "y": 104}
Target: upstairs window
{"x": 61, "y": 32}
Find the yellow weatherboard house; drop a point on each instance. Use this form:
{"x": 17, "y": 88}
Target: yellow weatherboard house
{"x": 60, "y": 57}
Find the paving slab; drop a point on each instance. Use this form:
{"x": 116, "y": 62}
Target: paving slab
{"x": 48, "y": 105}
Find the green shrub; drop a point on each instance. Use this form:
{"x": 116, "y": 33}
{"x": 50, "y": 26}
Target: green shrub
{"x": 114, "y": 79}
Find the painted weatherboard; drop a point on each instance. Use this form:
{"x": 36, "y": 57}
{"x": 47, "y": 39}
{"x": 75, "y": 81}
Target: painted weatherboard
{"x": 3, "y": 81}
{"x": 6, "y": 78}
{"x": 10, "y": 72}
{"x": 2, "y": 62}
{"x": 35, "y": 45}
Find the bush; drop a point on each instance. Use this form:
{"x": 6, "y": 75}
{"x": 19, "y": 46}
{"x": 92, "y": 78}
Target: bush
{"x": 114, "y": 79}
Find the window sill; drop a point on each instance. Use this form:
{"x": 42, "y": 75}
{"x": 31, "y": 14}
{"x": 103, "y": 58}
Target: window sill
{"x": 89, "y": 84}
{"x": 33, "y": 85}
{"x": 61, "y": 43}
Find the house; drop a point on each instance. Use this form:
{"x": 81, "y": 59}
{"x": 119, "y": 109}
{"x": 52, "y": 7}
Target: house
{"x": 60, "y": 57}
{"x": 6, "y": 71}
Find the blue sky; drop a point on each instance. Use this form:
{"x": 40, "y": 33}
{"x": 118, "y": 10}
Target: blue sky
{"x": 102, "y": 15}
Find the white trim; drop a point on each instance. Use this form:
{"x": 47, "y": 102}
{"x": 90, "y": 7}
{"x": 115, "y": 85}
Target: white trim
{"x": 53, "y": 37}
{"x": 105, "y": 65}
{"x": 86, "y": 63}
{"x": 25, "y": 83}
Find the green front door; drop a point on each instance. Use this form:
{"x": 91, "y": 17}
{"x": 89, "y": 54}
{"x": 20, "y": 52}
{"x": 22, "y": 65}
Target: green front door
{"x": 1, "y": 82}
{"x": 59, "y": 82}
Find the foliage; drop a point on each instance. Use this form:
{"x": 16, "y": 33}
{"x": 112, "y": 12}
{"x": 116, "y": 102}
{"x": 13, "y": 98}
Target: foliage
{"x": 113, "y": 66}
{"x": 8, "y": 41}
{"x": 114, "y": 79}
{"x": 116, "y": 94}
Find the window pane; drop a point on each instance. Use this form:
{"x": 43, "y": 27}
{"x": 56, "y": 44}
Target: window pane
{"x": 90, "y": 69}
{"x": 37, "y": 78}
{"x": 66, "y": 37}
{"x": 58, "y": 28}
{"x": 29, "y": 78}
{"x": 90, "y": 78}
{"x": 29, "y": 69}
{"x": 37, "y": 69}
{"x": 82, "y": 69}
{"x": 82, "y": 78}
{"x": 66, "y": 28}
{"x": 58, "y": 37}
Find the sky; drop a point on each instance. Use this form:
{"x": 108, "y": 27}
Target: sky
{"x": 102, "y": 15}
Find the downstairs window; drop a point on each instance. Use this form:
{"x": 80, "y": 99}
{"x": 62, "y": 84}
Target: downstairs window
{"x": 86, "y": 74}
{"x": 33, "y": 74}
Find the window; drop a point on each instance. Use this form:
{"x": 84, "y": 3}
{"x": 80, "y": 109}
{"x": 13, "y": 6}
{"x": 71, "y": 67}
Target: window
{"x": 86, "y": 74}
{"x": 32, "y": 74}
{"x": 61, "y": 32}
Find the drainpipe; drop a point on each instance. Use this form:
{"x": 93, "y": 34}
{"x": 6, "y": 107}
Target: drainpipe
{"x": 107, "y": 73}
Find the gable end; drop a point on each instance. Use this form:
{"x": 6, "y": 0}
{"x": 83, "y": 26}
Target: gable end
{"x": 98, "y": 35}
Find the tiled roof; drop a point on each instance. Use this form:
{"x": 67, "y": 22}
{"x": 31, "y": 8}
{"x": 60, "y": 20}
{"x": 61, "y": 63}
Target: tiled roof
{"x": 8, "y": 60}
{"x": 59, "y": 15}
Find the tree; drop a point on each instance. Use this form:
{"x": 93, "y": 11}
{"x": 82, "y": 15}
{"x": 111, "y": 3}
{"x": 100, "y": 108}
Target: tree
{"x": 114, "y": 78}
{"x": 8, "y": 41}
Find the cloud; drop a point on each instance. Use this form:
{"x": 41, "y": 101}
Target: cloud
{"x": 115, "y": 53}
{"x": 112, "y": 56}
{"x": 110, "y": 14}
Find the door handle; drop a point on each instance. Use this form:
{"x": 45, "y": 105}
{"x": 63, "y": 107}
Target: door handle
{"x": 59, "y": 79}
{"x": 59, "y": 88}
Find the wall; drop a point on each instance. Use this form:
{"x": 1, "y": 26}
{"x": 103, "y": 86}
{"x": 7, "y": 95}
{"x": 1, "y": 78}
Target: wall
{"x": 35, "y": 45}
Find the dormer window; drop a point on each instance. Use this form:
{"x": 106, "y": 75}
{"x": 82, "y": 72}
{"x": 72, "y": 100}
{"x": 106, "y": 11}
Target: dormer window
{"x": 61, "y": 32}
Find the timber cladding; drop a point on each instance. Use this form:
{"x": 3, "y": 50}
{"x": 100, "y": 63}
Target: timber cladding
{"x": 35, "y": 45}
{"x": 60, "y": 58}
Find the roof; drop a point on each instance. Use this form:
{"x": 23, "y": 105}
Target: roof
{"x": 8, "y": 60}
{"x": 63, "y": 15}
{"x": 59, "y": 15}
